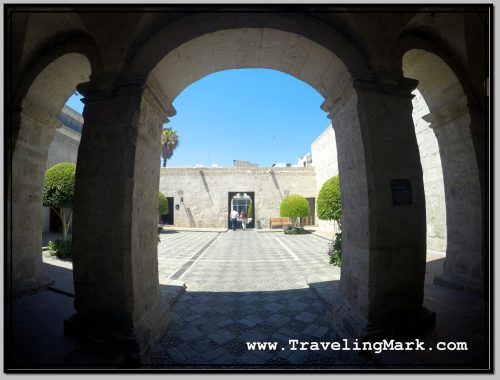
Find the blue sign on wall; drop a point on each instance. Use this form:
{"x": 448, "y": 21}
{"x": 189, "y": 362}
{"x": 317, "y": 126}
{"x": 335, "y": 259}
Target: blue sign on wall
{"x": 401, "y": 192}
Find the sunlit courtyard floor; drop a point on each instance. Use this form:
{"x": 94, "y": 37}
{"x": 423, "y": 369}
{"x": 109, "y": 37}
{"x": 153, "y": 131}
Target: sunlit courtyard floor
{"x": 241, "y": 287}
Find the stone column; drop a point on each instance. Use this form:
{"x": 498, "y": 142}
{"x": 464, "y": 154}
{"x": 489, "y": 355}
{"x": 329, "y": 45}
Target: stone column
{"x": 463, "y": 266}
{"x": 117, "y": 293}
{"x": 28, "y": 170}
{"x": 383, "y": 206}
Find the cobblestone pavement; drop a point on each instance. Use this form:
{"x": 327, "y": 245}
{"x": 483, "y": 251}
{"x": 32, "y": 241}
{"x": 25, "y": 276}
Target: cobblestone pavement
{"x": 243, "y": 287}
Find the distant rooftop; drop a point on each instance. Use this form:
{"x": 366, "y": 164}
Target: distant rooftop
{"x": 240, "y": 163}
{"x": 71, "y": 119}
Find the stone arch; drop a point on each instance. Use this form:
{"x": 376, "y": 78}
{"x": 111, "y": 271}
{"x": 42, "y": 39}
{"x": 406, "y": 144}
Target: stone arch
{"x": 323, "y": 70}
{"x": 170, "y": 35}
{"x": 378, "y": 265}
{"x": 305, "y": 60}
{"x": 450, "y": 121}
{"x": 38, "y": 120}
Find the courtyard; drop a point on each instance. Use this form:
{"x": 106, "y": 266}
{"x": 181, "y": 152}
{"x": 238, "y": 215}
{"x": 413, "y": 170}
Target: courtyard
{"x": 229, "y": 288}
{"x": 407, "y": 146}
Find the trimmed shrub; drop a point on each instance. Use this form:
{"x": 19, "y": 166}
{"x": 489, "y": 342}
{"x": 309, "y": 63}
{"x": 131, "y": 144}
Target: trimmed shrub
{"x": 59, "y": 187}
{"x": 294, "y": 206}
{"x": 58, "y": 192}
{"x": 335, "y": 249}
{"x": 250, "y": 210}
{"x": 295, "y": 231}
{"x": 61, "y": 248}
{"x": 329, "y": 208}
{"x": 162, "y": 204}
{"x": 329, "y": 205}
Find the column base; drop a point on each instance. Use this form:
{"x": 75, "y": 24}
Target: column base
{"x": 461, "y": 283}
{"x": 348, "y": 323}
{"x": 133, "y": 342}
{"x": 30, "y": 285}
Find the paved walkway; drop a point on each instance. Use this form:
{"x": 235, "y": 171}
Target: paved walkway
{"x": 242, "y": 287}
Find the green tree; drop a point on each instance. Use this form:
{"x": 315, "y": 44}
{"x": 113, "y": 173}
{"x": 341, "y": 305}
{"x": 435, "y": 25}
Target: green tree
{"x": 295, "y": 207}
{"x": 329, "y": 208}
{"x": 169, "y": 142}
{"x": 58, "y": 193}
{"x": 329, "y": 205}
{"x": 162, "y": 205}
{"x": 250, "y": 210}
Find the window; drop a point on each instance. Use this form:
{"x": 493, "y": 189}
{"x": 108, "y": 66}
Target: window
{"x": 240, "y": 202}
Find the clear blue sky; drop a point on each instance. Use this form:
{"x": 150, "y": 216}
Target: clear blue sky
{"x": 260, "y": 115}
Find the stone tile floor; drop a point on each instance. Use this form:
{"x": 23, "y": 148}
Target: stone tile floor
{"x": 242, "y": 287}
{"x": 247, "y": 287}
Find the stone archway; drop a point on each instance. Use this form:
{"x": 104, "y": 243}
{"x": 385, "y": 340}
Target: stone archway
{"x": 120, "y": 150}
{"x": 449, "y": 118}
{"x": 250, "y": 196}
{"x": 38, "y": 121}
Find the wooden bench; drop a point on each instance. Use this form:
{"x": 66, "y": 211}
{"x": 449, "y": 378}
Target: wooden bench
{"x": 279, "y": 222}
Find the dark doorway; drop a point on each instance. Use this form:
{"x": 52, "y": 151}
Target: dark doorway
{"x": 169, "y": 218}
{"x": 310, "y": 220}
{"x": 241, "y": 200}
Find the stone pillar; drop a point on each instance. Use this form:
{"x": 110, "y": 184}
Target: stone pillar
{"x": 463, "y": 266}
{"x": 28, "y": 171}
{"x": 383, "y": 242}
{"x": 117, "y": 294}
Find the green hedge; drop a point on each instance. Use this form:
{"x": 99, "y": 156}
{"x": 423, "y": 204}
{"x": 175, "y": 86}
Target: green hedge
{"x": 59, "y": 187}
{"x": 162, "y": 204}
{"x": 329, "y": 205}
{"x": 294, "y": 206}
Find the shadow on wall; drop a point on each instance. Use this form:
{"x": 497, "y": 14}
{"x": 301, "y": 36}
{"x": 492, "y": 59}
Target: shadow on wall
{"x": 205, "y": 184}
{"x": 190, "y": 217}
{"x": 275, "y": 180}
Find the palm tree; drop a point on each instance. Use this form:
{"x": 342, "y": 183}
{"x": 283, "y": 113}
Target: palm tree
{"x": 169, "y": 141}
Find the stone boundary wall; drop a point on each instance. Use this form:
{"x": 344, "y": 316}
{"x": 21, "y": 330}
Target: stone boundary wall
{"x": 205, "y": 191}
{"x": 324, "y": 160}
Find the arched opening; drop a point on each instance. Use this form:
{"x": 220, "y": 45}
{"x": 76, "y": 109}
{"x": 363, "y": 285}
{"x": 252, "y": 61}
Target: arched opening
{"x": 457, "y": 202}
{"x": 354, "y": 60}
{"x": 377, "y": 263}
{"x": 39, "y": 123}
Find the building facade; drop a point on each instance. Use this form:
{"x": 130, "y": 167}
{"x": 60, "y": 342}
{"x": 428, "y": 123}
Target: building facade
{"x": 130, "y": 65}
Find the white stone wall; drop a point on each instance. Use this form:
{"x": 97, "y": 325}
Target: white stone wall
{"x": 324, "y": 160}
{"x": 64, "y": 148}
{"x": 430, "y": 158}
{"x": 205, "y": 191}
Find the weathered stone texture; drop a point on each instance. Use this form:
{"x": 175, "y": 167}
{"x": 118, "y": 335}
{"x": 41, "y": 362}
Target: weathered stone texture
{"x": 449, "y": 118}
{"x": 205, "y": 191}
{"x": 36, "y": 133}
{"x": 325, "y": 163}
{"x": 435, "y": 205}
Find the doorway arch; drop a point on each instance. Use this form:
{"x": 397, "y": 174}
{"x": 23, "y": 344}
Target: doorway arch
{"x": 450, "y": 120}
{"x": 377, "y": 263}
{"x": 38, "y": 120}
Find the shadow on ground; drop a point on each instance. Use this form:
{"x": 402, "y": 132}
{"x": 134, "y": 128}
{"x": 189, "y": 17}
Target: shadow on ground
{"x": 211, "y": 330}
{"x": 164, "y": 232}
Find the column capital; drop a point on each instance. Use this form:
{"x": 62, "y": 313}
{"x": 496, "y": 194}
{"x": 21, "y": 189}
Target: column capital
{"x": 393, "y": 85}
{"x": 106, "y": 85}
{"x": 341, "y": 92}
{"x": 155, "y": 95}
{"x": 102, "y": 86}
